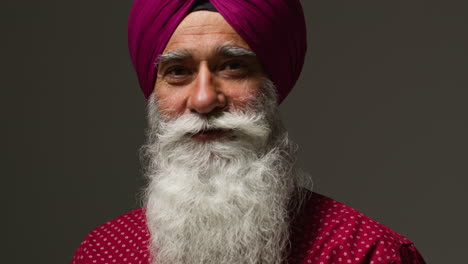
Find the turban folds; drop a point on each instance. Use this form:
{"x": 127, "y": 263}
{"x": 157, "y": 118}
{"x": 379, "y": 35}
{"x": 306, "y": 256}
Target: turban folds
{"x": 274, "y": 29}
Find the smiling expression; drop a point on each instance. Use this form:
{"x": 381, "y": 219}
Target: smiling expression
{"x": 206, "y": 68}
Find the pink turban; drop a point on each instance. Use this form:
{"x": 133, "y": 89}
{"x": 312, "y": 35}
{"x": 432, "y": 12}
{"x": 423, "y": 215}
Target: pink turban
{"x": 273, "y": 29}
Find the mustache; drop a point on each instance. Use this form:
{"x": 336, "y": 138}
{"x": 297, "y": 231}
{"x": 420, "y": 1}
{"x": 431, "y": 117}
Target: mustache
{"x": 253, "y": 125}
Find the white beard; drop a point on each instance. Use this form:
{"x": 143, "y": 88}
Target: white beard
{"x": 222, "y": 201}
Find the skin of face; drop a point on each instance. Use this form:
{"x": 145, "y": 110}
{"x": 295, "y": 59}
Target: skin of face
{"x": 195, "y": 76}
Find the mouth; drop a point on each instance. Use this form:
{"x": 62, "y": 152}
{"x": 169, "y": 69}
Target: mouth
{"x": 209, "y": 134}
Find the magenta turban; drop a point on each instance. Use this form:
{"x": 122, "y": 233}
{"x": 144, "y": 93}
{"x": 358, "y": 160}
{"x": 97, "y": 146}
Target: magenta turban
{"x": 274, "y": 29}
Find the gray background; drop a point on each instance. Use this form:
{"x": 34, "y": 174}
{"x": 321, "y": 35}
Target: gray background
{"x": 380, "y": 114}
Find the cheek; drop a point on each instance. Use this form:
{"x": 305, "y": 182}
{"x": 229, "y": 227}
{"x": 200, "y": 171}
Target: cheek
{"x": 170, "y": 103}
{"x": 244, "y": 94}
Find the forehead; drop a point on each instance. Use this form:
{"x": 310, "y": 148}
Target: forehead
{"x": 201, "y": 31}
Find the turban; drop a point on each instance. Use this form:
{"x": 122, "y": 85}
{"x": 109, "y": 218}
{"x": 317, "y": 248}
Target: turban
{"x": 274, "y": 29}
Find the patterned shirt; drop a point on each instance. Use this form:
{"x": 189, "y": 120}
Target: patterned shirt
{"x": 324, "y": 232}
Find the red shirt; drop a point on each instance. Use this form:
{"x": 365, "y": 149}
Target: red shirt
{"x": 325, "y": 232}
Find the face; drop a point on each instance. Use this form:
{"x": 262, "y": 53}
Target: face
{"x": 206, "y": 68}
{"x": 235, "y": 185}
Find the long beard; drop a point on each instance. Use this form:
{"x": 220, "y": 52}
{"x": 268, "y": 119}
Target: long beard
{"x": 222, "y": 201}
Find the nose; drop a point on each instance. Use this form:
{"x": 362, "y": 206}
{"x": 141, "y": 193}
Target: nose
{"x": 204, "y": 96}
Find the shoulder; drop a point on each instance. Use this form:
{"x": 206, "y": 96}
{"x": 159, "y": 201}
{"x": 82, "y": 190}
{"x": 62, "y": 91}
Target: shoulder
{"x": 120, "y": 240}
{"x": 333, "y": 232}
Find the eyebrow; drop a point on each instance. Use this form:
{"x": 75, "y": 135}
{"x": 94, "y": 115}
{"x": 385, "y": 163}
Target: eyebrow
{"x": 226, "y": 50}
{"x": 229, "y": 50}
{"x": 173, "y": 55}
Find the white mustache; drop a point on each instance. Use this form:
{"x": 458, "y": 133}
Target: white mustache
{"x": 247, "y": 124}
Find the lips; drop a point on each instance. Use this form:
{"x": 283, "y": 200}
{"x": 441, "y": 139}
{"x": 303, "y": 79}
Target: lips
{"x": 210, "y": 134}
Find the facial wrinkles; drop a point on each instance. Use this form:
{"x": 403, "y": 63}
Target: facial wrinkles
{"x": 198, "y": 38}
{"x": 242, "y": 104}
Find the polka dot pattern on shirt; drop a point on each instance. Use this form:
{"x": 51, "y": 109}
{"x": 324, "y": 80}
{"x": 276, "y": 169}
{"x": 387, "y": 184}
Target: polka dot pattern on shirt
{"x": 122, "y": 241}
{"x": 329, "y": 232}
{"x": 324, "y": 232}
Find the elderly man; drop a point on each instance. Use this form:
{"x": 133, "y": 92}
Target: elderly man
{"x": 224, "y": 186}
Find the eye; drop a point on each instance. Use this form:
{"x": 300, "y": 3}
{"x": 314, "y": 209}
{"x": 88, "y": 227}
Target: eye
{"x": 177, "y": 71}
{"x": 234, "y": 69}
{"x": 233, "y": 65}
{"x": 177, "y": 74}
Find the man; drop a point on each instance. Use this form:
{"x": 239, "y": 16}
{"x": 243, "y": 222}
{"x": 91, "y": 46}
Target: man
{"x": 224, "y": 186}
